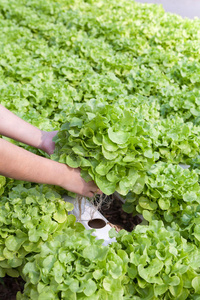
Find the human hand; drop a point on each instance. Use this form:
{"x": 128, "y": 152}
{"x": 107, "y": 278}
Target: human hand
{"x": 72, "y": 181}
{"x": 47, "y": 143}
{"x": 69, "y": 178}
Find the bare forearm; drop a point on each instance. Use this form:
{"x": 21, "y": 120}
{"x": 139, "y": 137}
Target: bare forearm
{"x": 20, "y": 164}
{"x": 17, "y": 163}
{"x": 18, "y": 129}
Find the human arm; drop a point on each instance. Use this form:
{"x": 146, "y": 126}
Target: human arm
{"x": 17, "y": 129}
{"x": 20, "y": 164}
{"x": 17, "y": 163}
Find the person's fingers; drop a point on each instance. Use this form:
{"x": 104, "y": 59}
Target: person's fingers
{"x": 87, "y": 194}
{"x": 95, "y": 189}
{"x": 47, "y": 143}
{"x": 76, "y": 184}
{"x": 92, "y": 193}
{"x": 98, "y": 191}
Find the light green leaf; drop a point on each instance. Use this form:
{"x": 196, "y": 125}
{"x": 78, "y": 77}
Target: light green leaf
{"x": 89, "y": 287}
{"x": 196, "y": 284}
{"x": 118, "y": 137}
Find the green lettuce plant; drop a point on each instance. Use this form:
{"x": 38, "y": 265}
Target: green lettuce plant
{"x": 120, "y": 81}
{"x": 74, "y": 265}
{"x": 117, "y": 144}
{"x": 171, "y": 194}
{"x": 28, "y": 218}
{"x": 160, "y": 263}
{"x": 149, "y": 263}
{"x": 2, "y": 184}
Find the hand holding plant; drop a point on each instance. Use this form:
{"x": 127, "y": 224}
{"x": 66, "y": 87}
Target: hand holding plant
{"x": 47, "y": 143}
{"x": 20, "y": 164}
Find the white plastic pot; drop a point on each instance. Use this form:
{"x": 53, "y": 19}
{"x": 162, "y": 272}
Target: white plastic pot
{"x": 91, "y": 218}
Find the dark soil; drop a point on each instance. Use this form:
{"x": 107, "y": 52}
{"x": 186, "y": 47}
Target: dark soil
{"x": 9, "y": 287}
{"x": 113, "y": 212}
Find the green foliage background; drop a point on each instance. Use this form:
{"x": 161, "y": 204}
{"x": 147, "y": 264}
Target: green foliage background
{"x": 121, "y": 83}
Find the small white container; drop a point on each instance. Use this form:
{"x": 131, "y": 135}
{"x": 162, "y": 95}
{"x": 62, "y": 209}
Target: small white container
{"x": 91, "y": 218}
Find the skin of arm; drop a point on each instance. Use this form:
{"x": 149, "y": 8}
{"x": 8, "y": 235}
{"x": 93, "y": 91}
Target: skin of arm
{"x": 17, "y": 129}
{"x": 20, "y": 164}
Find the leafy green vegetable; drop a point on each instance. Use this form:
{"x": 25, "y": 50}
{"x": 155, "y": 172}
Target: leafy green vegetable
{"x": 171, "y": 194}
{"x": 74, "y": 265}
{"x": 28, "y": 218}
{"x": 161, "y": 264}
{"x": 120, "y": 80}
{"x": 149, "y": 261}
